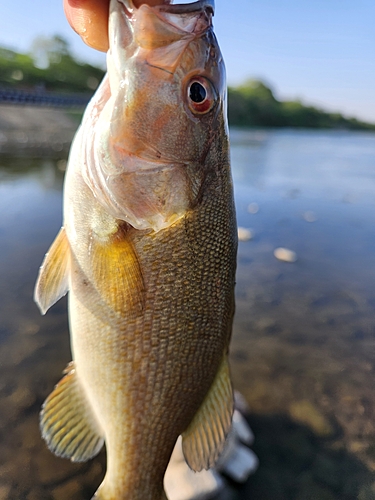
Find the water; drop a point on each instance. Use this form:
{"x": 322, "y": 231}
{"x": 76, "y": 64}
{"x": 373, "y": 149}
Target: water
{"x": 303, "y": 349}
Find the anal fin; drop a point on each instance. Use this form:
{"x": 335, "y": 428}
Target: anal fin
{"x": 53, "y": 278}
{"x": 204, "y": 439}
{"x": 67, "y": 422}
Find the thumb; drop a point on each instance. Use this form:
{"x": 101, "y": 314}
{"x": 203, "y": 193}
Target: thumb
{"x": 89, "y": 18}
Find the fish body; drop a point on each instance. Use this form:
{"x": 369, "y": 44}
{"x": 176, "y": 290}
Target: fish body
{"x": 147, "y": 252}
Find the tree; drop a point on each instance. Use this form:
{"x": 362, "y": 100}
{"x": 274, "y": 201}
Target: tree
{"x": 253, "y": 104}
{"x": 46, "y": 51}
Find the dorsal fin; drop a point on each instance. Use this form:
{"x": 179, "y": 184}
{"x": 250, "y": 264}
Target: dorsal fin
{"x": 204, "y": 439}
{"x": 53, "y": 278}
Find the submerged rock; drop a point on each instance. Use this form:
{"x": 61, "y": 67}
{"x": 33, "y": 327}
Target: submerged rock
{"x": 285, "y": 255}
{"x": 253, "y": 208}
{"x": 70, "y": 489}
{"x": 309, "y": 216}
{"x": 237, "y": 462}
{"x": 306, "y": 413}
{"x": 5, "y": 490}
{"x": 244, "y": 234}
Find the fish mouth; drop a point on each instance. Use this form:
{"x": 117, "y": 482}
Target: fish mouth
{"x": 148, "y": 20}
{"x": 188, "y": 8}
{"x": 175, "y": 8}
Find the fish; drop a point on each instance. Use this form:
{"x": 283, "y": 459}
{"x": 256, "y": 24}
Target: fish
{"x": 147, "y": 252}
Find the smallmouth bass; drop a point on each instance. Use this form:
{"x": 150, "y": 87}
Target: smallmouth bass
{"x": 148, "y": 254}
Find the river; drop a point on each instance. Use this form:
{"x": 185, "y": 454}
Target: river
{"x": 303, "y": 348}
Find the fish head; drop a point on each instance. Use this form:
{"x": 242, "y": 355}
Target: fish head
{"x": 166, "y": 107}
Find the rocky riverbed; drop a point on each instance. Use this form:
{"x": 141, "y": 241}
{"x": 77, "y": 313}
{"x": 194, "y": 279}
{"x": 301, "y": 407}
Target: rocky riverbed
{"x": 303, "y": 349}
{"x": 36, "y": 131}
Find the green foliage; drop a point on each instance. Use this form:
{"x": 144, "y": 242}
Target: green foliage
{"x": 49, "y": 66}
{"x": 254, "y": 105}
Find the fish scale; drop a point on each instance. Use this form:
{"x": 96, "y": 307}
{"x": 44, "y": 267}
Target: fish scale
{"x": 149, "y": 259}
{"x": 157, "y": 324}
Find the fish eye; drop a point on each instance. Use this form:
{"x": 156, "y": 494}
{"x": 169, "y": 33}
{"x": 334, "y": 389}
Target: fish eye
{"x": 197, "y": 92}
{"x": 201, "y": 95}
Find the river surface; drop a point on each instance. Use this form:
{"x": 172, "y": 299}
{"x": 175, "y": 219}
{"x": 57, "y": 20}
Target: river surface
{"x": 303, "y": 348}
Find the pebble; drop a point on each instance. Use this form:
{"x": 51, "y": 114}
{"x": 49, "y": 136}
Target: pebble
{"x": 242, "y": 463}
{"x": 285, "y": 255}
{"x": 307, "y": 414}
{"x": 38, "y": 494}
{"x": 53, "y": 470}
{"x": 244, "y": 234}
{"x": 181, "y": 483}
{"x": 253, "y": 208}
{"x": 61, "y": 165}
{"x": 309, "y": 216}
{"x": 70, "y": 490}
{"x": 5, "y": 490}
{"x": 16, "y": 403}
{"x": 367, "y": 492}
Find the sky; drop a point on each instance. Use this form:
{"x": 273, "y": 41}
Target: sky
{"x": 321, "y": 52}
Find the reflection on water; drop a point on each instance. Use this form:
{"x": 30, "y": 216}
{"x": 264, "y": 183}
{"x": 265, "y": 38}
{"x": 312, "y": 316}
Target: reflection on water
{"x": 303, "y": 349}
{"x": 304, "y": 343}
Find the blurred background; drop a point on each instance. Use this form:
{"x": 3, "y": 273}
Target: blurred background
{"x": 302, "y": 120}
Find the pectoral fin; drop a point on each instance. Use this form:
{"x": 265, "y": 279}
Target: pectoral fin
{"x": 67, "y": 422}
{"x": 117, "y": 274}
{"x": 53, "y": 279}
{"x": 204, "y": 439}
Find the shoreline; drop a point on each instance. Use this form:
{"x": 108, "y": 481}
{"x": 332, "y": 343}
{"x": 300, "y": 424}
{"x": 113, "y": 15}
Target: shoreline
{"x": 35, "y": 131}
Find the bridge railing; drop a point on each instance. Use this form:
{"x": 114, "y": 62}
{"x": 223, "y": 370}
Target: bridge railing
{"x": 43, "y": 98}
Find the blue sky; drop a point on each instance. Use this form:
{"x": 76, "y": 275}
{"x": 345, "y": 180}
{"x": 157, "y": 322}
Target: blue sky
{"x": 322, "y": 52}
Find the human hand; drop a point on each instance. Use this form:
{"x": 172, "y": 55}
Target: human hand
{"x": 89, "y": 18}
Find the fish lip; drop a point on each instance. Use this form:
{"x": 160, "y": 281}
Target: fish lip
{"x": 188, "y": 7}
{"x": 208, "y": 5}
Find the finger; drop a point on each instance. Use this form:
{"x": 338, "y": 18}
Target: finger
{"x": 89, "y": 18}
